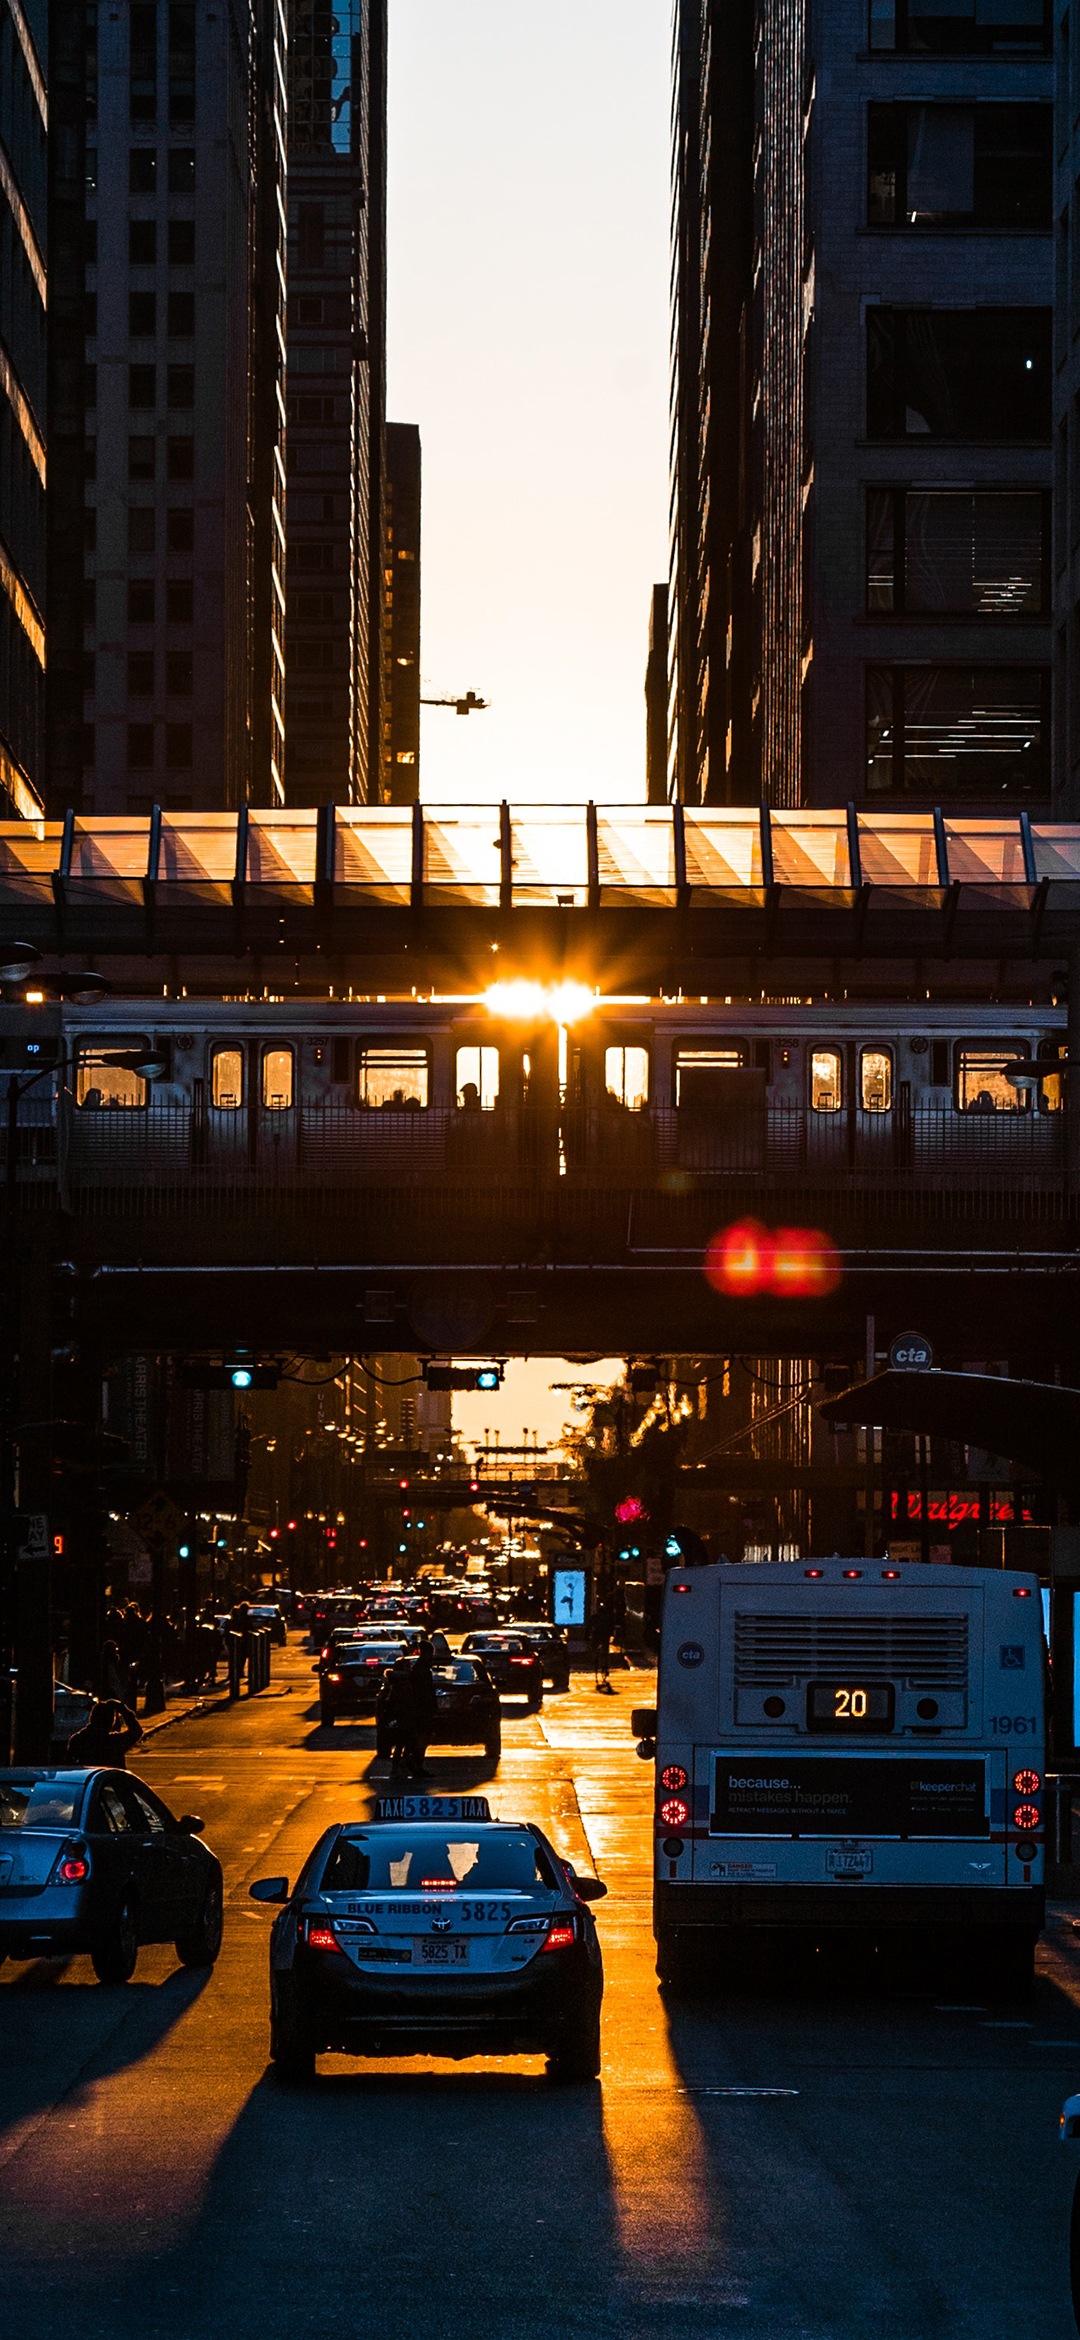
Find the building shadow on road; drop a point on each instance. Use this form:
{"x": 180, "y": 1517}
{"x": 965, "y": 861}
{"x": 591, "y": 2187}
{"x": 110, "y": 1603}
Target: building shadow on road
{"x": 54, "y": 2017}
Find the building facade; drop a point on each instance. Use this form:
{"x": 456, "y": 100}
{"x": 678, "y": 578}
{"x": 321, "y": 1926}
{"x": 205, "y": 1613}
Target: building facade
{"x": 336, "y": 399}
{"x": 863, "y": 568}
{"x": 399, "y": 779}
{"x": 185, "y": 407}
{"x": 23, "y": 402}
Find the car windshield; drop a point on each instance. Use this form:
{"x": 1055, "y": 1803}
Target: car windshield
{"x": 39, "y": 1803}
{"x": 436, "y": 1860}
{"x": 366, "y": 1653}
{"x": 460, "y": 1671}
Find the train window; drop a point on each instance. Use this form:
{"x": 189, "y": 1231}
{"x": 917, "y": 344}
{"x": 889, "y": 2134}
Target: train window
{"x": 396, "y": 1078}
{"x": 227, "y": 1079}
{"x": 626, "y": 1078}
{"x": 875, "y": 1080}
{"x": 476, "y": 1079}
{"x": 277, "y": 1079}
{"x": 1050, "y": 1092}
{"x": 695, "y": 1071}
{"x": 826, "y": 1080}
{"x": 981, "y": 1086}
{"x": 102, "y": 1088}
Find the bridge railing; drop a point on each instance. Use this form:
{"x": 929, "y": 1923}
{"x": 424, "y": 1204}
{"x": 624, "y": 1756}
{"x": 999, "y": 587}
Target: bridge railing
{"x": 173, "y": 1153}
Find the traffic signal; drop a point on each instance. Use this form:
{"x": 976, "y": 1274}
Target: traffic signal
{"x": 463, "y": 1376}
{"x": 685, "y": 1544}
{"x": 196, "y": 1375}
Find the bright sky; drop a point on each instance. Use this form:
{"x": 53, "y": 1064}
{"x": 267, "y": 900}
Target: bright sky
{"x": 528, "y": 332}
{"x": 527, "y": 1400}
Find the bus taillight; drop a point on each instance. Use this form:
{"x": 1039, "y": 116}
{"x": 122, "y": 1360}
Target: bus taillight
{"x": 1026, "y": 1817}
{"x": 675, "y": 1777}
{"x": 1026, "y": 1783}
{"x": 674, "y": 1813}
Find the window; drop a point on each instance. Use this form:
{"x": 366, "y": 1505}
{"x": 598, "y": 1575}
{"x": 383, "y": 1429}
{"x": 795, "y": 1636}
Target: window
{"x": 108, "y": 1087}
{"x": 181, "y": 170}
{"x": 111, "y": 1813}
{"x": 142, "y": 315}
{"x": 142, "y": 385}
{"x": 145, "y": 1815}
{"x": 227, "y": 1079}
{"x": 181, "y": 315}
{"x": 181, "y": 452}
{"x": 961, "y": 28}
{"x": 981, "y": 1086}
{"x": 875, "y": 1080}
{"x": 140, "y": 528}
{"x": 181, "y": 385}
{"x": 179, "y": 674}
{"x": 476, "y": 1079}
{"x": 277, "y": 1079}
{"x": 181, "y": 243}
{"x": 178, "y": 746}
{"x": 142, "y": 242}
{"x": 311, "y": 234}
{"x": 140, "y": 674}
{"x": 696, "y": 1085}
{"x": 140, "y": 601}
{"x": 179, "y": 601}
{"x": 958, "y": 373}
{"x": 626, "y": 1077}
{"x": 142, "y": 64}
{"x": 142, "y": 170}
{"x": 394, "y": 1077}
{"x": 956, "y": 731}
{"x": 959, "y": 166}
{"x": 1051, "y": 1092}
{"x": 140, "y": 746}
{"x": 141, "y": 457}
{"x": 181, "y": 62}
{"x": 826, "y": 1080}
{"x": 179, "y": 530}
{"x": 971, "y": 553}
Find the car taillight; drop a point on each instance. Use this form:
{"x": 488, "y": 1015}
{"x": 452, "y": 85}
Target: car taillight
{"x": 1026, "y": 1783}
{"x": 318, "y": 1937}
{"x": 522, "y": 1661}
{"x": 674, "y": 1813}
{"x": 673, "y": 1777}
{"x": 561, "y": 1935}
{"x": 1027, "y": 1817}
{"x": 333, "y": 1677}
{"x": 72, "y": 1867}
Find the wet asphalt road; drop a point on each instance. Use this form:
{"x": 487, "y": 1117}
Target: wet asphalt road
{"x": 890, "y": 2173}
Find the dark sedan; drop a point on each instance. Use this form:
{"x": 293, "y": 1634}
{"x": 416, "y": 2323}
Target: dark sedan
{"x": 94, "y": 1861}
{"x": 514, "y": 1666}
{"x": 467, "y": 1714}
{"x": 351, "y": 1668}
{"x": 435, "y": 1930}
{"x": 551, "y": 1649}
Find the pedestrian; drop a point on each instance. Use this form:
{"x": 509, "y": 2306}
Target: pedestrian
{"x": 105, "y": 1738}
{"x": 422, "y": 1706}
{"x": 111, "y": 1682}
{"x": 392, "y": 1714}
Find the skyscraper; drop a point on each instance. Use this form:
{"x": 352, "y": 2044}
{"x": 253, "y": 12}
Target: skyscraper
{"x": 23, "y": 402}
{"x": 399, "y": 779}
{"x": 863, "y": 388}
{"x": 185, "y": 406}
{"x": 336, "y": 398}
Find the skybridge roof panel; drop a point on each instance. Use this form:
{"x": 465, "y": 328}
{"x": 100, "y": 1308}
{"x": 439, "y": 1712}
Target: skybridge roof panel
{"x": 463, "y": 855}
{"x": 549, "y": 855}
{"x": 810, "y": 849}
{"x": 198, "y": 850}
{"x": 985, "y": 852}
{"x": 373, "y": 847}
{"x": 898, "y": 849}
{"x": 636, "y": 855}
{"x": 723, "y": 853}
{"x": 282, "y": 847}
{"x": 1057, "y": 850}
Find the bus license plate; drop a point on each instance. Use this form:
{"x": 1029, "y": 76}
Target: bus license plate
{"x": 848, "y": 1864}
{"x": 427, "y": 1953}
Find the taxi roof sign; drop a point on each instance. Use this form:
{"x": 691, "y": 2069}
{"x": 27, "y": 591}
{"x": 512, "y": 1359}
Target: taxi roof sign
{"x": 432, "y": 1808}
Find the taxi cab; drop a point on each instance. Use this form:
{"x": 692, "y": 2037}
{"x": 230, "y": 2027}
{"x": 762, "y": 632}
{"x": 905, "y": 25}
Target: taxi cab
{"x": 435, "y": 1930}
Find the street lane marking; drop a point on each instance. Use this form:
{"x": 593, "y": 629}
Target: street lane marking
{"x": 958, "y": 2010}
{"x": 737, "y": 2091}
{"x": 993, "y": 2026}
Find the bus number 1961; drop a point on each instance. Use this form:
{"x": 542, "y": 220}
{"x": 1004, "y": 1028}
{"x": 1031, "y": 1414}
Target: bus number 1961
{"x": 1013, "y": 1726}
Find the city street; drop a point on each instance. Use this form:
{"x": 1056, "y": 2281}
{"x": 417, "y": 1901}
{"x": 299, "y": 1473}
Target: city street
{"x": 815, "y": 2165}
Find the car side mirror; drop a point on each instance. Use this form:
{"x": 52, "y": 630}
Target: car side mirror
{"x": 269, "y": 1889}
{"x": 191, "y": 1825}
{"x": 590, "y": 1888}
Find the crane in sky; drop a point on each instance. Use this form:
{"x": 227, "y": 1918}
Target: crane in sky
{"x": 469, "y": 705}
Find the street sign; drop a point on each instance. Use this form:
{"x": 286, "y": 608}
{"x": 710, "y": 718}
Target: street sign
{"x": 569, "y": 1596}
{"x": 35, "y": 1541}
{"x": 910, "y": 1352}
{"x": 158, "y": 1520}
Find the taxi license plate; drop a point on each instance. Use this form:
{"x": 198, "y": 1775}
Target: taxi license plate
{"x": 427, "y": 1953}
{"x": 849, "y": 1864}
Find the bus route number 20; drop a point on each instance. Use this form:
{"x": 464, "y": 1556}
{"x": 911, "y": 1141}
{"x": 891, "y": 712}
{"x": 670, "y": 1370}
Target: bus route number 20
{"x": 1013, "y": 1726}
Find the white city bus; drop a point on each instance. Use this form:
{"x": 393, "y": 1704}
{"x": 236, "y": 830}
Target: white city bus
{"x": 848, "y": 1744}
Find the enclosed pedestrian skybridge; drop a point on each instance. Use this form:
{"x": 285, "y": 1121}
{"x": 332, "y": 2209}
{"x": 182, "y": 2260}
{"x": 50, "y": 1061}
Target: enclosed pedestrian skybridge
{"x": 608, "y": 888}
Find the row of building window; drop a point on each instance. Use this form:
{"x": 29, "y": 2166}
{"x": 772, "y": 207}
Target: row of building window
{"x": 143, "y": 243}
{"x": 142, "y": 531}
{"x": 398, "y": 1078}
{"x": 143, "y": 673}
{"x": 978, "y": 552}
{"x": 960, "y": 28}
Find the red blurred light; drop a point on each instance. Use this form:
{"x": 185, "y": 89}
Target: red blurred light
{"x": 290, "y": 1523}
{"x": 73, "y": 1870}
{"x": 674, "y": 1813}
{"x": 333, "y": 1677}
{"x": 890, "y": 1572}
{"x": 853, "y": 1572}
{"x": 1027, "y": 1817}
{"x": 1026, "y": 1783}
{"x": 805, "y": 1263}
{"x": 682, "y": 1588}
{"x": 561, "y": 1935}
{"x": 632, "y": 1508}
{"x": 813, "y": 1572}
{"x": 738, "y": 1260}
{"x": 673, "y": 1777}
{"x": 1021, "y": 1592}
{"x": 403, "y": 1482}
{"x": 438, "y": 1884}
{"x": 321, "y": 1938}
{"x": 274, "y": 1534}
